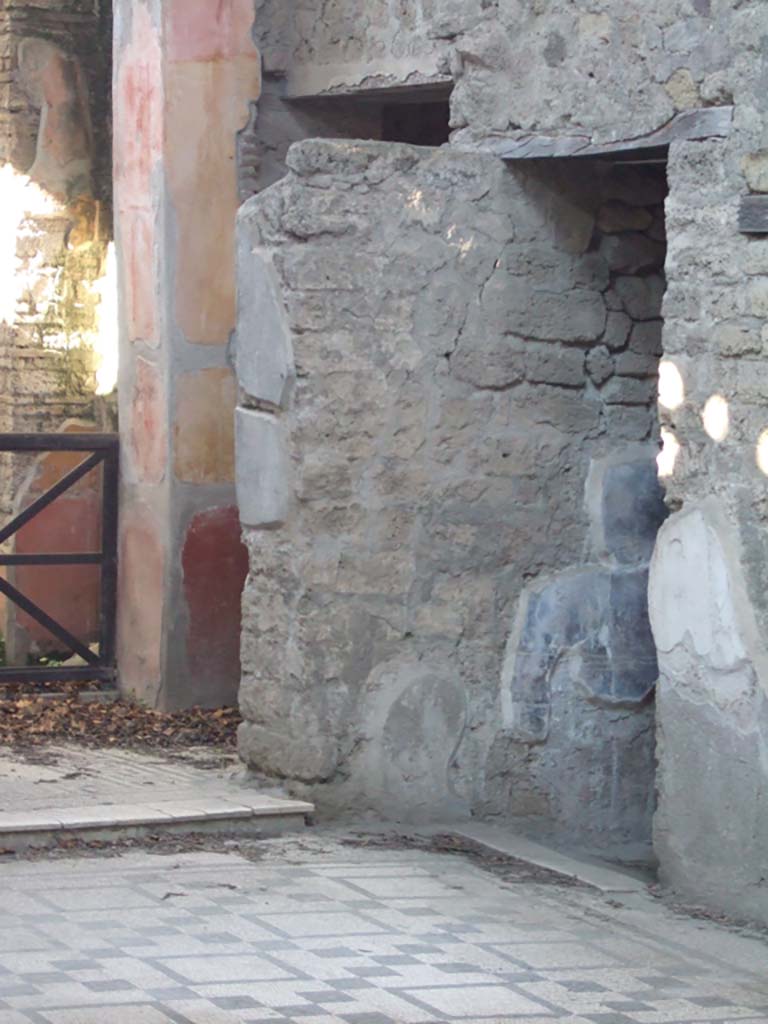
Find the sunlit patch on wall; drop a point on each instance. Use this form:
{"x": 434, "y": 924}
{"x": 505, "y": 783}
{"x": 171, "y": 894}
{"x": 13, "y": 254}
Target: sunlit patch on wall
{"x": 105, "y": 341}
{"x": 671, "y": 387}
{"x": 22, "y": 200}
{"x": 715, "y": 417}
{"x": 667, "y": 457}
{"x": 761, "y": 453}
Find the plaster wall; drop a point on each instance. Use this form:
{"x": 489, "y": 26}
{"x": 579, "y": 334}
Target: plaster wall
{"x": 185, "y": 76}
{"x": 446, "y": 478}
{"x": 708, "y": 603}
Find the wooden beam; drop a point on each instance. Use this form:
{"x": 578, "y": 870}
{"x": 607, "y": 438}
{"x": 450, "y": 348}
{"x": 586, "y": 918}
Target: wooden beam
{"x": 753, "y": 215}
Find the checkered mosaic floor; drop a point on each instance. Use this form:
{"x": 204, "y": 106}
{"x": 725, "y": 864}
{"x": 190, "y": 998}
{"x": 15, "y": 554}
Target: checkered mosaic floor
{"x": 317, "y": 932}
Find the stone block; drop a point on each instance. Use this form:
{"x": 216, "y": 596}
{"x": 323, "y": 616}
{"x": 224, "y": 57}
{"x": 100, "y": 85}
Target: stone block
{"x": 632, "y": 253}
{"x": 554, "y": 364}
{"x": 735, "y": 340}
{"x": 682, "y": 90}
{"x": 600, "y": 364}
{"x": 488, "y": 362}
{"x": 617, "y": 329}
{"x": 630, "y": 423}
{"x": 575, "y": 316}
{"x": 646, "y": 338}
{"x": 755, "y": 167}
{"x": 264, "y": 351}
{"x": 263, "y": 469}
{"x": 297, "y": 755}
{"x": 628, "y": 391}
{"x": 642, "y": 296}
{"x": 637, "y": 364}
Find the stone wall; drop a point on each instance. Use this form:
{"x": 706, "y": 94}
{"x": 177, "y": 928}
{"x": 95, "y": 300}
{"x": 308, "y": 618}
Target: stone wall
{"x": 446, "y": 475}
{"x": 334, "y": 47}
{"x": 562, "y": 76}
{"x": 708, "y": 588}
{"x": 609, "y": 69}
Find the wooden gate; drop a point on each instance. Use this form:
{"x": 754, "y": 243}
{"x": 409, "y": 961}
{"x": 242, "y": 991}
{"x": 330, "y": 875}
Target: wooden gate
{"x": 101, "y": 451}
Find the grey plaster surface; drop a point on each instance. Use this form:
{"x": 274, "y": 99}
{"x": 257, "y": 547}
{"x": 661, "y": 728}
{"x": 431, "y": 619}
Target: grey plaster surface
{"x": 313, "y": 930}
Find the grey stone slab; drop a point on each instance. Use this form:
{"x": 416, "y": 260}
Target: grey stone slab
{"x": 379, "y": 971}
{"x": 601, "y": 876}
{"x": 611, "y": 1018}
{"x": 349, "y": 984}
{"x": 263, "y": 469}
{"x": 234, "y": 1002}
{"x": 113, "y": 985}
{"x": 263, "y": 348}
{"x": 368, "y": 1018}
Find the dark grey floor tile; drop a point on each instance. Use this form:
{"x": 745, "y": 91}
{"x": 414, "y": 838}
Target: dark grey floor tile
{"x": 235, "y": 1002}
{"x": 349, "y": 984}
{"x": 368, "y": 1018}
{"x": 111, "y": 985}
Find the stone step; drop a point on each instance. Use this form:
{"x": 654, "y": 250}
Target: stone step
{"x": 245, "y": 814}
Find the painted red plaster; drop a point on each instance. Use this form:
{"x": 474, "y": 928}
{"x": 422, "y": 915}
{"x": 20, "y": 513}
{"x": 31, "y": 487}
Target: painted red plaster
{"x": 138, "y": 146}
{"x": 209, "y": 29}
{"x": 148, "y": 452}
{"x": 138, "y": 118}
{"x": 68, "y": 593}
{"x": 215, "y": 564}
{"x": 137, "y": 234}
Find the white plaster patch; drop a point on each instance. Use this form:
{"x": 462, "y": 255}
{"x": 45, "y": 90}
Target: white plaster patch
{"x": 263, "y": 489}
{"x": 698, "y": 610}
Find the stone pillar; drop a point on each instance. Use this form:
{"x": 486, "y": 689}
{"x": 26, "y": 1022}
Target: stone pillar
{"x": 185, "y": 72}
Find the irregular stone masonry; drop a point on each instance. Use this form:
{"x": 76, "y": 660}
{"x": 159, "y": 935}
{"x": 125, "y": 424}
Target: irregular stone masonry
{"x": 599, "y": 73}
{"x": 449, "y": 371}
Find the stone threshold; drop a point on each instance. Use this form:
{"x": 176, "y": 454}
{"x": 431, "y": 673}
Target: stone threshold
{"x": 252, "y": 814}
{"x": 497, "y": 839}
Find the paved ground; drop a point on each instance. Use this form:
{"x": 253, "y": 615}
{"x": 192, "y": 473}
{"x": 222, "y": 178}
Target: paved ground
{"x": 69, "y": 776}
{"x": 59, "y": 790}
{"x": 315, "y": 931}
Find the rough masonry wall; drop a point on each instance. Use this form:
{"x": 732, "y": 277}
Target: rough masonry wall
{"x": 448, "y": 371}
{"x": 607, "y": 69}
{"x": 328, "y": 46}
{"x": 708, "y": 589}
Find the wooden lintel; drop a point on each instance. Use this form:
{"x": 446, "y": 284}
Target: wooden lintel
{"x": 690, "y": 125}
